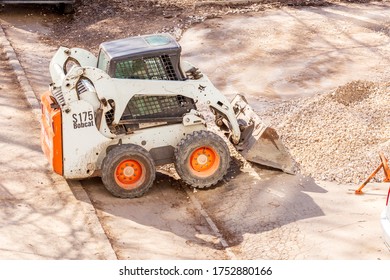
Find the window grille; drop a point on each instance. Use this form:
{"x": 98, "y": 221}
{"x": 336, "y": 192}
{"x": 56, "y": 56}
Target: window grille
{"x": 153, "y": 68}
{"x": 158, "y": 106}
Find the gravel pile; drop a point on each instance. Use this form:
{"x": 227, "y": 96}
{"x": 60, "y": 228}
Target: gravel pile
{"x": 337, "y": 136}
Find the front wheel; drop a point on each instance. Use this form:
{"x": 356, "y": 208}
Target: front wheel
{"x": 128, "y": 171}
{"x": 202, "y": 159}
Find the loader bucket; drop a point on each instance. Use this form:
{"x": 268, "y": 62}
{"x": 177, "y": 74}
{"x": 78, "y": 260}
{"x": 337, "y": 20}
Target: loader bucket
{"x": 259, "y": 143}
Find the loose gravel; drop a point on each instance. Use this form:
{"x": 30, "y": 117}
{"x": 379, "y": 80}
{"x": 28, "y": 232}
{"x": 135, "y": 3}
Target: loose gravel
{"x": 336, "y": 136}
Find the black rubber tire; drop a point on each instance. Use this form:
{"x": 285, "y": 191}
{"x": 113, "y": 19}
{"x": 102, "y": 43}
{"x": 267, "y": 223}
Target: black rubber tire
{"x": 185, "y": 153}
{"x": 116, "y": 158}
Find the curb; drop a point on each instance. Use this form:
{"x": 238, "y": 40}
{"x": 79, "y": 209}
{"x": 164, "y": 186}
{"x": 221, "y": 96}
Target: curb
{"x": 77, "y": 189}
{"x": 13, "y": 60}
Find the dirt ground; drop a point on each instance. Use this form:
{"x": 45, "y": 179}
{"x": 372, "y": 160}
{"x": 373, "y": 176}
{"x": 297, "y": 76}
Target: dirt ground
{"x": 94, "y": 21}
{"x": 278, "y": 216}
{"x": 97, "y": 21}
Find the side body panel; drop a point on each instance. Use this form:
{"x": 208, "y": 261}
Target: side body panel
{"x": 82, "y": 142}
{"x": 84, "y": 147}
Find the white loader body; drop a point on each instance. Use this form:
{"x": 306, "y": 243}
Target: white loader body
{"x": 139, "y": 94}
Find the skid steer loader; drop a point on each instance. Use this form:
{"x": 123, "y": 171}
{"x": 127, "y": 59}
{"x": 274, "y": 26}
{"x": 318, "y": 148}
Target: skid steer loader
{"x": 135, "y": 107}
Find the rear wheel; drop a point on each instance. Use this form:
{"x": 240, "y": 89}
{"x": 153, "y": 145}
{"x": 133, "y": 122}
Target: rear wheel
{"x": 202, "y": 159}
{"x": 128, "y": 171}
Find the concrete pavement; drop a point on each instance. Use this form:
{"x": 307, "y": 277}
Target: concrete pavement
{"x": 40, "y": 217}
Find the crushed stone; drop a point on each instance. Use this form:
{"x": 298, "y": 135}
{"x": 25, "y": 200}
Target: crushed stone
{"x": 336, "y": 136}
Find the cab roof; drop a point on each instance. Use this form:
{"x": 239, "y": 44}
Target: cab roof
{"x": 140, "y": 45}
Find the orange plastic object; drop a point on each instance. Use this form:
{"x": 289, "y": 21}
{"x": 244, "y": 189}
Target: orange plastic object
{"x": 385, "y": 165}
{"x": 51, "y": 132}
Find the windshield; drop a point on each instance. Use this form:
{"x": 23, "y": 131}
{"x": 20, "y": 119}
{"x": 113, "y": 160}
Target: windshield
{"x": 103, "y": 61}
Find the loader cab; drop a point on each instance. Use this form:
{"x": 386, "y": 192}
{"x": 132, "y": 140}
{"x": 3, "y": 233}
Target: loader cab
{"x": 148, "y": 57}
{"x": 152, "y": 57}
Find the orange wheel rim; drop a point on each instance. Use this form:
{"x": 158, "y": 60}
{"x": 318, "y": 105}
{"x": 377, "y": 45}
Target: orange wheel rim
{"x": 129, "y": 174}
{"x": 204, "y": 161}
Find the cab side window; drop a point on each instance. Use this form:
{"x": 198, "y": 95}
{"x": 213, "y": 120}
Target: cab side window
{"x": 152, "y": 68}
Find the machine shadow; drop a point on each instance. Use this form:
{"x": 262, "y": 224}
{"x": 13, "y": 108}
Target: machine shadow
{"x": 254, "y": 203}
{"x": 243, "y": 203}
